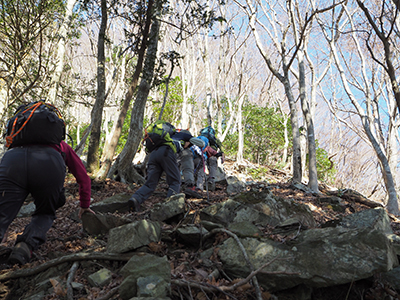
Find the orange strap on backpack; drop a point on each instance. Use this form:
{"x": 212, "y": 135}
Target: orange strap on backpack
{"x": 146, "y": 135}
{"x": 9, "y": 139}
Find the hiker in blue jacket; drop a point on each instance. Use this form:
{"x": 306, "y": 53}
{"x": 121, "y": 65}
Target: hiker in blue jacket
{"x": 212, "y": 160}
{"x": 200, "y": 158}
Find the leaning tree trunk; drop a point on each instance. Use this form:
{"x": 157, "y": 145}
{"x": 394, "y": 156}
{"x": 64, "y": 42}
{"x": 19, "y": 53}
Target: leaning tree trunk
{"x": 109, "y": 149}
{"x": 123, "y": 167}
{"x": 393, "y": 205}
{"x": 97, "y": 111}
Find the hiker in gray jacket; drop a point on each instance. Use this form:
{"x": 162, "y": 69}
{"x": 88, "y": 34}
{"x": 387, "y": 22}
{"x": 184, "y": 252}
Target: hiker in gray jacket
{"x": 185, "y": 161}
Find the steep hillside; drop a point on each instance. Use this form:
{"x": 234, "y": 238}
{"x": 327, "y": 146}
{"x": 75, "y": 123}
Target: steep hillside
{"x": 66, "y": 238}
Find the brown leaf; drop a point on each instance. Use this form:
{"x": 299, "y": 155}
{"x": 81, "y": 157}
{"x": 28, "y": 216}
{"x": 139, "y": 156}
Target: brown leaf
{"x": 266, "y": 296}
{"x": 180, "y": 269}
{"x": 201, "y": 296}
{"x": 156, "y": 247}
{"x": 203, "y": 274}
{"x": 245, "y": 287}
{"x": 58, "y": 289}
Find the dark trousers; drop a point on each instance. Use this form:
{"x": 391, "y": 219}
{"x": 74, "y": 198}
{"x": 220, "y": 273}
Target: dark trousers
{"x": 162, "y": 159}
{"x": 40, "y": 171}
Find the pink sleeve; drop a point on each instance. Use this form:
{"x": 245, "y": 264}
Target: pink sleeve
{"x": 76, "y": 167}
{"x": 210, "y": 151}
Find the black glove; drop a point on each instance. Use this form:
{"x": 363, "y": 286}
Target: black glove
{"x": 219, "y": 154}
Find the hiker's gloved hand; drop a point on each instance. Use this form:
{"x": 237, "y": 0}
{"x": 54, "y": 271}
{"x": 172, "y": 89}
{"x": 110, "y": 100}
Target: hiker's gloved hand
{"x": 222, "y": 157}
{"x": 178, "y": 146}
{"x": 219, "y": 154}
{"x": 83, "y": 210}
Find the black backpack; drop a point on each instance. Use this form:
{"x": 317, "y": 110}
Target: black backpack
{"x": 35, "y": 123}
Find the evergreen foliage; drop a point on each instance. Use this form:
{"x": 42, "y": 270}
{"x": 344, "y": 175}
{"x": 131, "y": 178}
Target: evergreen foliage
{"x": 263, "y": 136}
{"x": 325, "y": 167}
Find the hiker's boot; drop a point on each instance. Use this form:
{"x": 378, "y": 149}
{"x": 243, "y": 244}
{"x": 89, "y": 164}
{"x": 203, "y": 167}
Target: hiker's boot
{"x": 211, "y": 186}
{"x": 192, "y": 192}
{"x": 4, "y": 253}
{"x": 20, "y": 255}
{"x": 134, "y": 204}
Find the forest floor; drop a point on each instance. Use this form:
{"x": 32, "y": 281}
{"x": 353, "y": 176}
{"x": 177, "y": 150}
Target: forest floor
{"x": 66, "y": 238}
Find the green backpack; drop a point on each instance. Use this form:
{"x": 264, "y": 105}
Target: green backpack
{"x": 158, "y": 134}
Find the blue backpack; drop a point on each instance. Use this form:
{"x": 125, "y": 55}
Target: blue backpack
{"x": 209, "y": 133}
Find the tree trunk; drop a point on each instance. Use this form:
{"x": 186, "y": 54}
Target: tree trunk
{"x": 208, "y": 81}
{"x": 392, "y": 204}
{"x": 109, "y": 149}
{"x": 122, "y": 167}
{"x": 296, "y": 162}
{"x": 312, "y": 151}
{"x": 97, "y": 111}
{"x": 387, "y": 44}
{"x": 239, "y": 155}
{"x": 55, "y": 80}
{"x": 284, "y": 79}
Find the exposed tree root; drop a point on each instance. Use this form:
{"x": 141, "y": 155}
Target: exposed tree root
{"x": 68, "y": 258}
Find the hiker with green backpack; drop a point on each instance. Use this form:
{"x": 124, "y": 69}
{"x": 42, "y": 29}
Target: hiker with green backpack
{"x": 162, "y": 149}
{"x": 35, "y": 163}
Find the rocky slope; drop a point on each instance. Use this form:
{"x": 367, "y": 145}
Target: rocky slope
{"x": 61, "y": 259}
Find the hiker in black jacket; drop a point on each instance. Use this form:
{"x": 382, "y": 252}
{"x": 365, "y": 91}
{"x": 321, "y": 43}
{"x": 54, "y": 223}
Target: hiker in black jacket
{"x": 35, "y": 163}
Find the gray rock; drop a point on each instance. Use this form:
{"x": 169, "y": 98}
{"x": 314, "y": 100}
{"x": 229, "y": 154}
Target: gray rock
{"x": 245, "y": 229}
{"x": 173, "y": 206}
{"x": 316, "y": 258}
{"x": 101, "y": 224}
{"x": 376, "y": 218}
{"x": 191, "y": 234}
{"x": 153, "y": 286}
{"x": 142, "y": 265}
{"x": 234, "y": 185}
{"x": 27, "y": 210}
{"x": 100, "y": 278}
{"x": 220, "y": 176}
{"x": 128, "y": 288}
{"x": 260, "y": 208}
{"x": 231, "y": 211}
{"x": 116, "y": 203}
{"x": 132, "y": 236}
